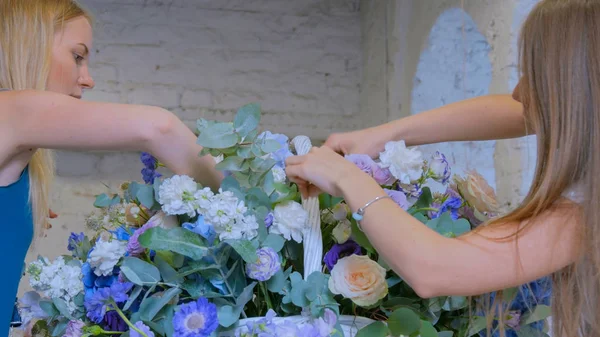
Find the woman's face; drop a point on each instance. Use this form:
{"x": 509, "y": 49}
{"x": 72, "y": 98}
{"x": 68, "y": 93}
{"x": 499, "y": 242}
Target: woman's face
{"x": 69, "y": 72}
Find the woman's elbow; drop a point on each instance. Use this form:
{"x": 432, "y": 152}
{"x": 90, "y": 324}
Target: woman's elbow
{"x": 160, "y": 126}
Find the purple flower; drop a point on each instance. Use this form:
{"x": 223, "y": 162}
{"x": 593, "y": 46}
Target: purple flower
{"x": 133, "y": 246}
{"x": 98, "y": 303}
{"x": 114, "y": 322}
{"x": 439, "y": 169}
{"x": 267, "y": 265}
{"x": 399, "y": 198}
{"x": 339, "y": 251}
{"x": 74, "y": 240}
{"x": 148, "y": 160}
{"x": 269, "y": 220}
{"x": 514, "y": 319}
{"x": 363, "y": 162}
{"x": 149, "y": 175}
{"x": 142, "y": 327}
{"x": 74, "y": 329}
{"x": 382, "y": 176}
{"x": 195, "y": 319}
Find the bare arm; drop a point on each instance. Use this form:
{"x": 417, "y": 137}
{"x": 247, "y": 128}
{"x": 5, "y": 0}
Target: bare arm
{"x": 481, "y": 118}
{"x": 33, "y": 119}
{"x": 472, "y": 264}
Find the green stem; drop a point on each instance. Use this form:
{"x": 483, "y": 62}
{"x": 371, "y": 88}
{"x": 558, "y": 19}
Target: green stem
{"x": 263, "y": 287}
{"x": 227, "y": 283}
{"x": 113, "y": 332}
{"x": 131, "y": 326}
{"x": 424, "y": 209}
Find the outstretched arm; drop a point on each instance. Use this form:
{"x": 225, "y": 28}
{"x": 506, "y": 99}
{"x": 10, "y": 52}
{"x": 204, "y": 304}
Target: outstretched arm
{"x": 34, "y": 119}
{"x": 481, "y": 118}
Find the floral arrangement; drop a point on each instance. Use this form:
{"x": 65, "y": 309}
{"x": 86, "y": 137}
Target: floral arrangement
{"x": 170, "y": 257}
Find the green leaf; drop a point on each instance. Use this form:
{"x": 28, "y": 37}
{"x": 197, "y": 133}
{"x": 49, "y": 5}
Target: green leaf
{"x": 149, "y": 310}
{"x": 216, "y": 135}
{"x": 427, "y": 330}
{"x": 232, "y": 163}
{"x": 445, "y": 334}
{"x": 274, "y": 242}
{"x": 134, "y": 295}
{"x": 103, "y": 200}
{"x": 178, "y": 240}
{"x": 245, "y": 296}
{"x": 276, "y": 283}
{"x": 199, "y": 289}
{"x": 61, "y": 306}
{"x": 425, "y": 199}
{"x": 247, "y": 119}
{"x": 167, "y": 272}
{"x": 140, "y": 272}
{"x": 145, "y": 195}
{"x": 168, "y": 321}
{"x": 375, "y": 329}
{"x": 244, "y": 151}
{"x": 477, "y": 324}
{"x": 49, "y": 308}
{"x": 270, "y": 145}
{"x": 421, "y": 217}
{"x": 227, "y": 316}
{"x": 255, "y": 198}
{"x": 361, "y": 238}
{"x": 245, "y": 249}
{"x": 262, "y": 165}
{"x": 60, "y": 328}
{"x": 539, "y": 313}
{"x": 269, "y": 183}
{"x": 455, "y": 303}
{"x": 404, "y": 321}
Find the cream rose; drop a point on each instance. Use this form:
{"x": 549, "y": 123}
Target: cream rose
{"x": 360, "y": 279}
{"x": 476, "y": 191}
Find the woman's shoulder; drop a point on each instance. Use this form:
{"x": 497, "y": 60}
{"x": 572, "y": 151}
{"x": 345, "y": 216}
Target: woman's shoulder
{"x": 574, "y": 193}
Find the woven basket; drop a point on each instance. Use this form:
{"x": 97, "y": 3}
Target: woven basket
{"x": 313, "y": 255}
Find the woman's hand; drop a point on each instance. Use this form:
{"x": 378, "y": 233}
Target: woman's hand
{"x": 320, "y": 170}
{"x": 369, "y": 141}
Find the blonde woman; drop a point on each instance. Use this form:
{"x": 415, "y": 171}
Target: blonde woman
{"x": 44, "y": 53}
{"x": 556, "y": 230}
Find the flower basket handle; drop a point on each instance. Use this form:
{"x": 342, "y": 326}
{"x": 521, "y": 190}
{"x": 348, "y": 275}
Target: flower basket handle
{"x": 313, "y": 242}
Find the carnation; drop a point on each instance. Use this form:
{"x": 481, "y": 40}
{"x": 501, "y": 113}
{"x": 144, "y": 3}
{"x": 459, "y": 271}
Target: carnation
{"x": 105, "y": 256}
{"x": 405, "y": 164}
{"x": 290, "y": 220}
{"x": 177, "y": 195}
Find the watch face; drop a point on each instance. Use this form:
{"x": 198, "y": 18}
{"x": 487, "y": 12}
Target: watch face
{"x": 16, "y": 317}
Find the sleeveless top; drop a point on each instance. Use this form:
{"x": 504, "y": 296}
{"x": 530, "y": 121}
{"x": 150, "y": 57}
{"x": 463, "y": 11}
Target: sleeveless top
{"x": 16, "y": 226}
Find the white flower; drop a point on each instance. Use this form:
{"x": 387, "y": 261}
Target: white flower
{"x": 360, "y": 279}
{"x": 227, "y": 214}
{"x": 289, "y": 220}
{"x": 105, "y": 256}
{"x": 279, "y": 175}
{"x": 439, "y": 168}
{"x": 341, "y": 233}
{"x": 176, "y": 195}
{"x": 203, "y": 199}
{"x": 340, "y": 211}
{"x": 57, "y": 279}
{"x": 405, "y": 164}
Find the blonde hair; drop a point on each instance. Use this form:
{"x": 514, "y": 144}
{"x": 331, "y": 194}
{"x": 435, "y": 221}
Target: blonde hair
{"x": 559, "y": 46}
{"x": 27, "y": 31}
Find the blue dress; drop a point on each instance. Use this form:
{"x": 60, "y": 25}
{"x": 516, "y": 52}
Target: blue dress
{"x": 16, "y": 235}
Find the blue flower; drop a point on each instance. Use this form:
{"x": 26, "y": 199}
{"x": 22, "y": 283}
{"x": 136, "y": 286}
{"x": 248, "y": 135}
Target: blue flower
{"x": 142, "y": 327}
{"x": 149, "y": 175}
{"x": 121, "y": 234}
{"x": 148, "y": 160}
{"x": 452, "y": 204}
{"x": 283, "y": 152}
{"x": 98, "y": 303}
{"x": 201, "y": 228}
{"x": 269, "y": 220}
{"x": 74, "y": 240}
{"x": 195, "y": 319}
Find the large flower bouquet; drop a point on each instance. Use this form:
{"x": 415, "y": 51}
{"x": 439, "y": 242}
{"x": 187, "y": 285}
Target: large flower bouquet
{"x": 169, "y": 257}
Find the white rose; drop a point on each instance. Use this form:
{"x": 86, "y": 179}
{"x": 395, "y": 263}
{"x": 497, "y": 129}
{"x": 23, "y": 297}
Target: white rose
{"x": 105, "y": 256}
{"x": 289, "y": 220}
{"x": 341, "y": 233}
{"x": 405, "y": 164}
{"x": 360, "y": 279}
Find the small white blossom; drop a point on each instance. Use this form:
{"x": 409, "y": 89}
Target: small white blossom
{"x": 57, "y": 279}
{"x": 289, "y": 220}
{"x": 105, "y": 256}
{"x": 405, "y": 164}
{"x": 177, "y": 195}
{"x": 227, "y": 214}
{"x": 203, "y": 199}
{"x": 279, "y": 175}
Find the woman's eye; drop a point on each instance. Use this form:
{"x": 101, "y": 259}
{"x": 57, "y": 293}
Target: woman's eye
{"x": 78, "y": 58}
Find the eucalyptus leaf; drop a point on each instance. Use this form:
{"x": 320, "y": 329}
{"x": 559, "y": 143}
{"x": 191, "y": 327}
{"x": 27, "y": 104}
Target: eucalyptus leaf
{"x": 232, "y": 163}
{"x": 137, "y": 290}
{"x": 61, "y": 306}
{"x": 427, "y": 330}
{"x": 227, "y": 315}
{"x": 274, "y": 242}
{"x": 245, "y": 151}
{"x": 150, "y": 310}
{"x": 179, "y": 240}
{"x": 49, "y": 308}
{"x": 247, "y": 119}
{"x": 60, "y": 328}
{"x": 245, "y": 249}
{"x": 276, "y": 283}
{"x": 169, "y": 275}
{"x": 539, "y": 313}
{"x": 262, "y": 165}
{"x": 477, "y": 323}
{"x": 270, "y": 145}
{"x": 375, "y": 329}
{"x": 245, "y": 296}
{"x": 145, "y": 195}
{"x": 404, "y": 321}
{"x": 140, "y": 272}
{"x": 528, "y": 331}
{"x": 217, "y": 135}
{"x": 103, "y": 200}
